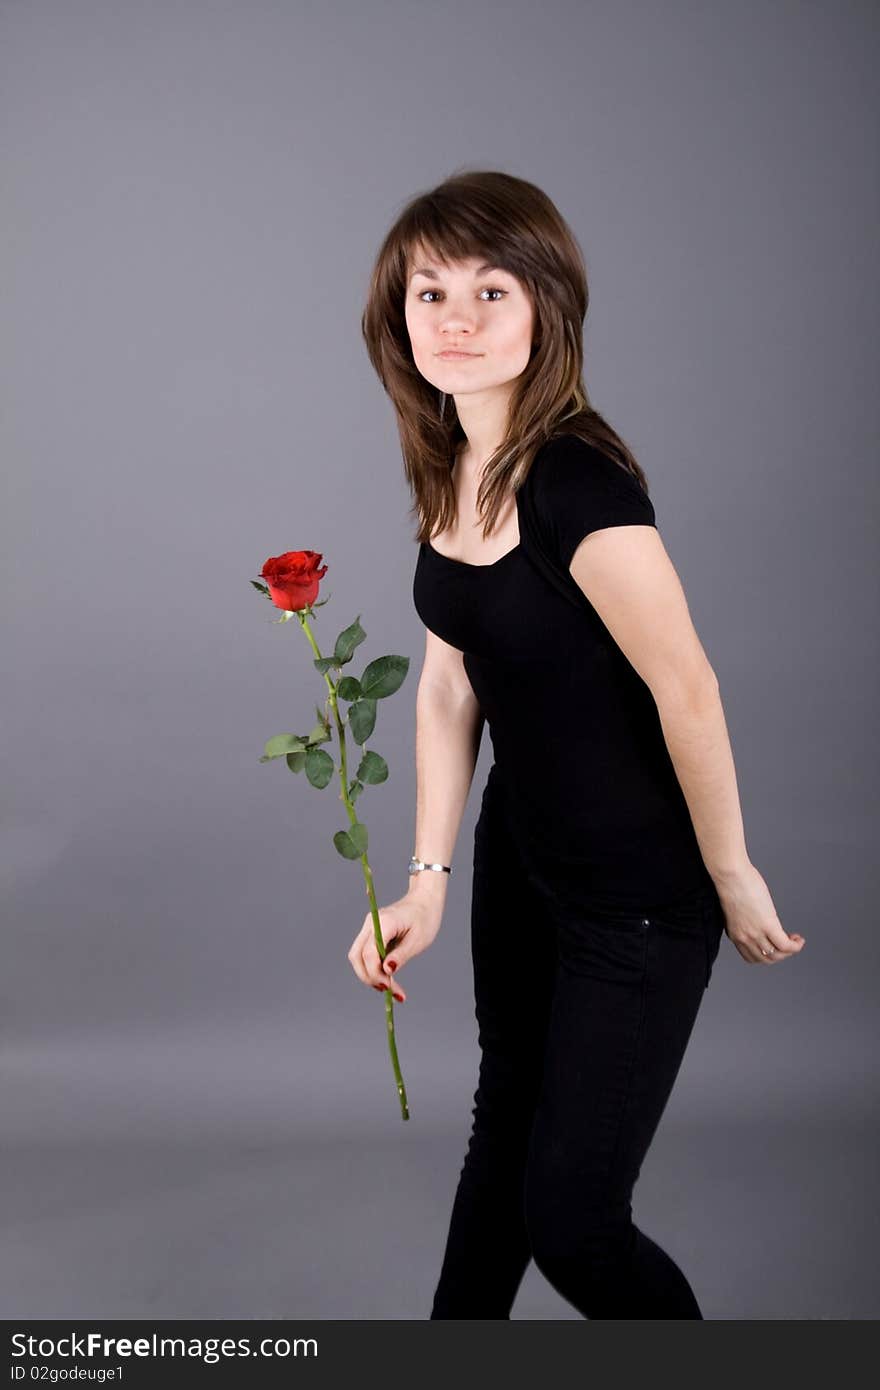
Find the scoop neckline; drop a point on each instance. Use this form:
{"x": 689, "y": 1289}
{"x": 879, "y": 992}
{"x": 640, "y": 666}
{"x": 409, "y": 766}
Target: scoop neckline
{"x": 490, "y": 564}
{"x": 469, "y": 564}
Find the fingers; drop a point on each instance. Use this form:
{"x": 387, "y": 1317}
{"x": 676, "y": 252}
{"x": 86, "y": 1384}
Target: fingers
{"x": 774, "y": 947}
{"x": 355, "y": 957}
{"x": 364, "y": 959}
{"x": 388, "y": 968}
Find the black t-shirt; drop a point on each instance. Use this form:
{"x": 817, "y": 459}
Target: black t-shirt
{"x": 579, "y": 754}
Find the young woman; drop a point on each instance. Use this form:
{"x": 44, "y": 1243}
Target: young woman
{"x": 609, "y": 852}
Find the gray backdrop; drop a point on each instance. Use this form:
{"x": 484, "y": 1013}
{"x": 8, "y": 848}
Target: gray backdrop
{"x": 198, "y": 1105}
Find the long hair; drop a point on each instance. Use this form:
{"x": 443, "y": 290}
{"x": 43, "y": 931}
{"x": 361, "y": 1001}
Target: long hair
{"x": 513, "y": 224}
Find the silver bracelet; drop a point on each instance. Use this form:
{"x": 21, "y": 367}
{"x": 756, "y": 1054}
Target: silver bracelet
{"x": 416, "y": 865}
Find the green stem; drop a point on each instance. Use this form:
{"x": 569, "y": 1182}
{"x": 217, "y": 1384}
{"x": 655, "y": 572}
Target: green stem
{"x": 303, "y": 616}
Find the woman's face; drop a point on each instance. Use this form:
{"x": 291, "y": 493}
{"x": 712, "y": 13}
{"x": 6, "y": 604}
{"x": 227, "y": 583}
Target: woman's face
{"x": 485, "y": 312}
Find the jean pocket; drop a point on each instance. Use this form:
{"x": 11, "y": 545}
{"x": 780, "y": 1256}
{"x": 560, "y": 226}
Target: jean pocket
{"x": 604, "y": 943}
{"x": 683, "y": 915}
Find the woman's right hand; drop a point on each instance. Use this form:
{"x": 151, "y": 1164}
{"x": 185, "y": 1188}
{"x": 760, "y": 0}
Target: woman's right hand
{"x": 409, "y": 927}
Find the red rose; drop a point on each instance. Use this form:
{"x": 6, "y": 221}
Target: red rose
{"x": 293, "y": 578}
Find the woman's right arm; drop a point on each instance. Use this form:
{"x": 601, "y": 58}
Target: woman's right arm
{"x": 449, "y": 725}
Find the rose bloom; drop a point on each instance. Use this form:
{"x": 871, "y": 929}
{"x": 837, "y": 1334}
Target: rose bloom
{"x": 293, "y": 578}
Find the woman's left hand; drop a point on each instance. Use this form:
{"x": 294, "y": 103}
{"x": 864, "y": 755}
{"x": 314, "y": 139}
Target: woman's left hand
{"x": 751, "y": 921}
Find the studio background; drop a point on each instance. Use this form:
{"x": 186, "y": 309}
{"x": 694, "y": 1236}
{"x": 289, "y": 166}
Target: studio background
{"x": 198, "y": 1106}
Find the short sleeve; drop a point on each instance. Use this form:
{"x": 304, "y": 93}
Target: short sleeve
{"x": 579, "y": 489}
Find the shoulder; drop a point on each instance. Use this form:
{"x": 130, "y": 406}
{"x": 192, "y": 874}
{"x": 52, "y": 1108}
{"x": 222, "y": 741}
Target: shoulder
{"x": 567, "y": 472}
{"x": 577, "y": 488}
{"x": 567, "y": 463}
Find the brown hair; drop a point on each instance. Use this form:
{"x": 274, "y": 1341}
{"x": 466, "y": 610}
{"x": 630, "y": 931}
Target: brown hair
{"x": 513, "y": 224}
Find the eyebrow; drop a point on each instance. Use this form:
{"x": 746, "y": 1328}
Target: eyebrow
{"x": 432, "y": 274}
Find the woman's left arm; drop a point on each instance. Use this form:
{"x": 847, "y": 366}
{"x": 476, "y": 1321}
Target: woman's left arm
{"x": 631, "y": 582}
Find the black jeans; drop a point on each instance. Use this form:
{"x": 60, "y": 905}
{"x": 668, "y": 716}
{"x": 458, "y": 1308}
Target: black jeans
{"x": 584, "y": 1014}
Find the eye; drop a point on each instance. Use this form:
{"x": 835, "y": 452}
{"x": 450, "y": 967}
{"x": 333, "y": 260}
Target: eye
{"x": 488, "y": 289}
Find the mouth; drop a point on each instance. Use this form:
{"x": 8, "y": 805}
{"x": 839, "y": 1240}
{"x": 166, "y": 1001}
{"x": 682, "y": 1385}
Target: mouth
{"x": 452, "y": 354}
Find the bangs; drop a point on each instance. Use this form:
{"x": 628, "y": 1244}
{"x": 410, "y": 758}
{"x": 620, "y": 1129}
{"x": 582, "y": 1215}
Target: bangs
{"x": 435, "y": 241}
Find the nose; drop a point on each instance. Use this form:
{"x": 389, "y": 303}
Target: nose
{"x": 455, "y": 319}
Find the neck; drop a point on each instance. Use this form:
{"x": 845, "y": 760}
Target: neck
{"x": 483, "y": 417}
